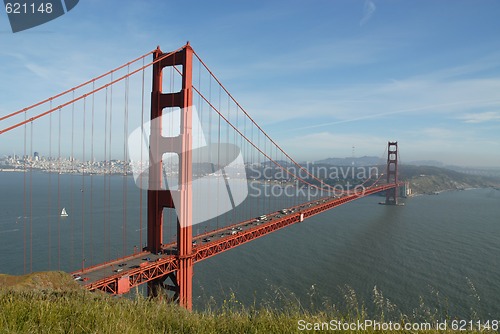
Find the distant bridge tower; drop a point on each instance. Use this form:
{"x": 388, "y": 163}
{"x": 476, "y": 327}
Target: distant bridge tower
{"x": 391, "y": 195}
{"x": 158, "y": 198}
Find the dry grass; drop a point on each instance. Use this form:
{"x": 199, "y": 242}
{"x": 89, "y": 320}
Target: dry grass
{"x": 50, "y": 280}
{"x": 25, "y": 309}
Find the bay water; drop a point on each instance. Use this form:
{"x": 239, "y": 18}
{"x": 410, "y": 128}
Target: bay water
{"x": 443, "y": 250}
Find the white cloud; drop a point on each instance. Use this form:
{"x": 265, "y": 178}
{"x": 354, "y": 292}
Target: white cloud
{"x": 481, "y": 117}
{"x": 373, "y": 101}
{"x": 40, "y": 71}
{"x": 488, "y": 63}
{"x": 368, "y": 10}
{"x": 455, "y": 89}
{"x": 323, "y": 56}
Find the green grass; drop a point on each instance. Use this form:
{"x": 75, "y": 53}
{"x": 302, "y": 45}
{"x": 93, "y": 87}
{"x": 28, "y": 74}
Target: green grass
{"x": 82, "y": 312}
{"x": 69, "y": 310}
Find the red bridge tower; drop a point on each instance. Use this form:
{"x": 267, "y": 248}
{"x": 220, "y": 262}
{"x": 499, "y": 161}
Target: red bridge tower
{"x": 158, "y": 197}
{"x": 391, "y": 195}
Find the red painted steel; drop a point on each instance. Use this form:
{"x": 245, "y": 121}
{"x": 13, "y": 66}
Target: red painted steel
{"x": 148, "y": 272}
{"x": 185, "y": 212}
{"x": 182, "y": 146}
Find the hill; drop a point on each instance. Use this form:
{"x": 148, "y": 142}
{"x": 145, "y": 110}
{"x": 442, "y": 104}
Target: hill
{"x": 57, "y": 281}
{"x": 26, "y": 311}
{"x": 352, "y": 161}
{"x": 430, "y": 179}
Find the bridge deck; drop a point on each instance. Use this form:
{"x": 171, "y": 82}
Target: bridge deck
{"x": 119, "y": 275}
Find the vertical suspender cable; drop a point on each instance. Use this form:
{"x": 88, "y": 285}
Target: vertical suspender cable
{"x": 59, "y": 194}
{"x": 236, "y": 142}
{"x": 227, "y": 152}
{"x": 141, "y": 165}
{"x": 271, "y": 181}
{"x": 171, "y": 217}
{"x": 124, "y": 171}
{"x": 210, "y": 136}
{"x": 264, "y": 184}
{"x": 31, "y": 197}
{"x": 252, "y": 162}
{"x": 110, "y": 158}
{"x": 247, "y": 159}
{"x": 49, "y": 206}
{"x": 219, "y": 172}
{"x": 125, "y": 164}
{"x": 201, "y": 166}
{"x": 25, "y": 213}
{"x": 71, "y": 217}
{"x": 105, "y": 174}
{"x": 83, "y": 190}
{"x": 92, "y": 180}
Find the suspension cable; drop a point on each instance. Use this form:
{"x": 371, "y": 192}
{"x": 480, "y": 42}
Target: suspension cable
{"x": 86, "y": 94}
{"x": 75, "y": 88}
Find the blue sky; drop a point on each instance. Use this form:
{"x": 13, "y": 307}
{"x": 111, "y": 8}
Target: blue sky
{"x": 318, "y": 76}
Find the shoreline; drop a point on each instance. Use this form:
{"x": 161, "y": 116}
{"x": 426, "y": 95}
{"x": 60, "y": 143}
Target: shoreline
{"x": 497, "y": 188}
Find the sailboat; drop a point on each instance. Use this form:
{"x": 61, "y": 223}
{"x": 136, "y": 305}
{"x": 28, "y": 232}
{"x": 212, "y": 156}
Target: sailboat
{"x": 64, "y": 213}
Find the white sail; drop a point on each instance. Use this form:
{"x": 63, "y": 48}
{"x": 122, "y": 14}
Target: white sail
{"x": 64, "y": 213}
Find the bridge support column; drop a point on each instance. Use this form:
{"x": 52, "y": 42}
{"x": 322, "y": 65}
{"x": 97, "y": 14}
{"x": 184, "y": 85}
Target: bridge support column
{"x": 156, "y": 288}
{"x": 391, "y": 195}
{"x": 159, "y": 197}
{"x": 160, "y": 287}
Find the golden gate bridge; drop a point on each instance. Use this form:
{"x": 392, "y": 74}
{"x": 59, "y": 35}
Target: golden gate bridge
{"x": 189, "y": 159}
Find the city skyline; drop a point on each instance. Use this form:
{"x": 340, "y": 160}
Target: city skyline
{"x": 319, "y": 77}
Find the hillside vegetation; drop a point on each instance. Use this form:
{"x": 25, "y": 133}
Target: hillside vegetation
{"x": 28, "y": 308}
{"x": 53, "y": 281}
{"x": 428, "y": 179}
